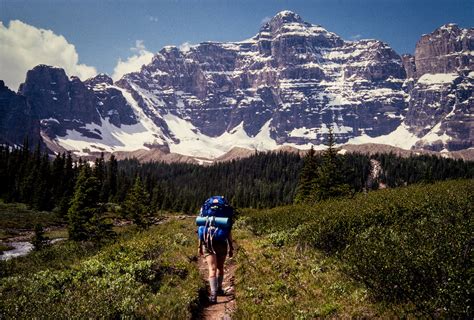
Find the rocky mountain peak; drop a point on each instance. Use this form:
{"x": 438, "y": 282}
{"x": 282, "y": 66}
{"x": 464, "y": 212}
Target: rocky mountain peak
{"x": 448, "y": 27}
{"x": 282, "y": 19}
{"x": 285, "y": 86}
{"x": 447, "y": 49}
{"x": 287, "y": 31}
{"x": 43, "y": 75}
{"x": 17, "y": 119}
{"x": 441, "y": 94}
{"x": 285, "y": 21}
{"x": 100, "y": 79}
{"x": 285, "y": 16}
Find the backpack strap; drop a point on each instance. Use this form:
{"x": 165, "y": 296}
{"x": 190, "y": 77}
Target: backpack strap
{"x": 210, "y": 231}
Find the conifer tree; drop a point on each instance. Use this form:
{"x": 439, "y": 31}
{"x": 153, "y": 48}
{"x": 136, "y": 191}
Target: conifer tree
{"x": 86, "y": 221}
{"x": 111, "y": 181}
{"x": 39, "y": 240}
{"x": 57, "y": 176}
{"x": 68, "y": 183}
{"x": 41, "y": 198}
{"x": 100, "y": 174}
{"x": 330, "y": 180}
{"x": 307, "y": 179}
{"x": 136, "y": 204}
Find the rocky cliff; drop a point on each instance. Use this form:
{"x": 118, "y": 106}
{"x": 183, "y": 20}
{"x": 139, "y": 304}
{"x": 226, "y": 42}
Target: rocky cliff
{"x": 287, "y": 85}
{"x": 18, "y": 120}
{"x": 441, "y": 83}
{"x": 293, "y": 79}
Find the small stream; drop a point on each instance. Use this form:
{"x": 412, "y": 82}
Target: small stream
{"x": 21, "y": 248}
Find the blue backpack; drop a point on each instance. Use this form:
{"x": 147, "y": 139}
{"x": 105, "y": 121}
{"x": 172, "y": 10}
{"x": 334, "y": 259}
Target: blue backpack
{"x": 215, "y": 219}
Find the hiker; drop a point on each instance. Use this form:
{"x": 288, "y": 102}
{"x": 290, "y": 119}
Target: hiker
{"x": 215, "y": 240}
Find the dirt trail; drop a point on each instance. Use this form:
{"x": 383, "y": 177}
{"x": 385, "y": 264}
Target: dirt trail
{"x": 225, "y": 305}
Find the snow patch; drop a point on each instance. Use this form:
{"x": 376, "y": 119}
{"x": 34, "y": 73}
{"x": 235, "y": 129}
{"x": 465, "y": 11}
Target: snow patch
{"x": 435, "y": 135}
{"x": 338, "y": 100}
{"x": 193, "y": 143}
{"x": 125, "y": 138}
{"x": 45, "y": 121}
{"x": 400, "y": 137}
{"x": 438, "y": 78}
{"x": 303, "y": 132}
{"x": 336, "y": 129}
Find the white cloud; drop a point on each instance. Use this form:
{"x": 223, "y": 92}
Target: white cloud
{"x": 133, "y": 63}
{"x": 139, "y": 47}
{"x": 265, "y": 20}
{"x": 153, "y": 19}
{"x": 24, "y": 46}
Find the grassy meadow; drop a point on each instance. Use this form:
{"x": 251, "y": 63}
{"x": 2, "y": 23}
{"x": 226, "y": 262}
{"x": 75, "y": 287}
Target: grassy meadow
{"x": 410, "y": 248}
{"x": 395, "y": 253}
{"x": 149, "y": 274}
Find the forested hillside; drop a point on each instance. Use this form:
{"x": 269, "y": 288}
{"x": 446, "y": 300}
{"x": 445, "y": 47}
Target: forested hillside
{"x": 261, "y": 181}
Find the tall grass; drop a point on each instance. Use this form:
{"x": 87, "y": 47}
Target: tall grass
{"x": 19, "y": 216}
{"x": 145, "y": 275}
{"x": 408, "y": 245}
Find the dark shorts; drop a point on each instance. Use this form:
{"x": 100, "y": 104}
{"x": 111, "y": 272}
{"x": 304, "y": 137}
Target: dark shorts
{"x": 219, "y": 246}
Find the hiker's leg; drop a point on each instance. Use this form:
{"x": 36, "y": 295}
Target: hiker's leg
{"x": 220, "y": 271}
{"x": 212, "y": 266}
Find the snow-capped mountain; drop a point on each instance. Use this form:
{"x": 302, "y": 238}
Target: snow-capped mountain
{"x": 441, "y": 87}
{"x": 287, "y": 85}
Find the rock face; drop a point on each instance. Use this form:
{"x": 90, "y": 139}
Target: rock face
{"x": 287, "y": 85}
{"x": 109, "y": 101}
{"x": 441, "y": 100}
{"x": 60, "y": 103}
{"x": 294, "y": 77}
{"x": 65, "y": 106}
{"x": 445, "y": 50}
{"x": 18, "y": 120}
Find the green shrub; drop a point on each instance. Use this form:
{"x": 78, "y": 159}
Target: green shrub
{"x": 146, "y": 275}
{"x": 18, "y": 216}
{"x": 408, "y": 245}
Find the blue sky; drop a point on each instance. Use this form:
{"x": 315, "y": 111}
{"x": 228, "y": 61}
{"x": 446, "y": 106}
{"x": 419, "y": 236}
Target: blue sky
{"x": 104, "y": 31}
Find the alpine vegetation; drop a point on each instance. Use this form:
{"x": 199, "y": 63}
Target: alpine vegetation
{"x": 295, "y": 174}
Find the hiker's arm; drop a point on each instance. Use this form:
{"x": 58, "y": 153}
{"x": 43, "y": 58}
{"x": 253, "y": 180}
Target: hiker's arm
{"x": 200, "y": 248}
{"x": 231, "y": 245}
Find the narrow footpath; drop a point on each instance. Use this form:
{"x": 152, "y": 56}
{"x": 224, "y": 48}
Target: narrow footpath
{"x": 225, "y": 305}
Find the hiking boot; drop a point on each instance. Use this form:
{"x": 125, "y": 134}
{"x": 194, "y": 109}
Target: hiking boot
{"x": 220, "y": 292}
{"x": 213, "y": 298}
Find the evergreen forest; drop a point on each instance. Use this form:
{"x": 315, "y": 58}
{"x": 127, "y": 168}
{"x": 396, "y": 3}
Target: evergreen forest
{"x": 264, "y": 180}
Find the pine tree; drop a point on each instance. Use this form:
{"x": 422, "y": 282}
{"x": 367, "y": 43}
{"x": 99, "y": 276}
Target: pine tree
{"x": 39, "y": 240}
{"x": 330, "y": 180}
{"x": 42, "y": 197}
{"x": 68, "y": 182}
{"x": 111, "y": 181}
{"x": 307, "y": 179}
{"x": 100, "y": 174}
{"x": 57, "y": 174}
{"x": 86, "y": 221}
{"x": 136, "y": 204}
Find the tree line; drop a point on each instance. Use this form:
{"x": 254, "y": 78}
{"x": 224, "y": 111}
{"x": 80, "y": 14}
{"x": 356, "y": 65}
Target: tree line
{"x": 264, "y": 180}
{"x": 332, "y": 175}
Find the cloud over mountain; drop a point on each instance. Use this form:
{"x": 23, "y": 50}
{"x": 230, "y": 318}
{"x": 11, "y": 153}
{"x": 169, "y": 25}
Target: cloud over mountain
{"x": 133, "y": 63}
{"x": 25, "y": 46}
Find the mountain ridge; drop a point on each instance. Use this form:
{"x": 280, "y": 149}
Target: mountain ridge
{"x": 285, "y": 86}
